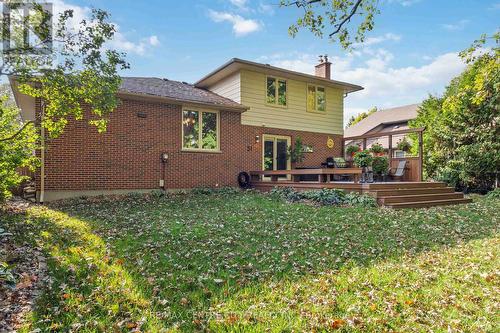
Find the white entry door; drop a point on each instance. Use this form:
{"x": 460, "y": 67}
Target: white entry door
{"x": 275, "y": 154}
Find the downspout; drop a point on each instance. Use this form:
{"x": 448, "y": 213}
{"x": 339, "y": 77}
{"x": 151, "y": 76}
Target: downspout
{"x": 42, "y": 155}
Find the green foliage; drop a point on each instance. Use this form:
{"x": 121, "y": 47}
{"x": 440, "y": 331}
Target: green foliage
{"x": 356, "y": 119}
{"x": 360, "y": 200}
{"x": 462, "y": 138}
{"x": 377, "y": 148}
{"x": 404, "y": 144}
{"x": 225, "y": 190}
{"x": 335, "y": 17}
{"x": 380, "y": 165}
{"x": 17, "y": 152}
{"x": 352, "y": 149}
{"x": 363, "y": 159}
{"x": 82, "y": 72}
{"x": 297, "y": 152}
{"x": 326, "y": 196}
{"x": 6, "y": 276}
{"x": 495, "y": 194}
{"x": 323, "y": 197}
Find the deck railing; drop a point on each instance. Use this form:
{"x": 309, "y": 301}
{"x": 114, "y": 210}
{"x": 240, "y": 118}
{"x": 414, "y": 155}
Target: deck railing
{"x": 415, "y": 159}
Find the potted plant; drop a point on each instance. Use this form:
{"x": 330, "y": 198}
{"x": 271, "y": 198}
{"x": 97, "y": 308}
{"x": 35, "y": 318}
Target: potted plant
{"x": 380, "y": 166}
{"x": 351, "y": 150}
{"x": 296, "y": 153}
{"x": 404, "y": 145}
{"x": 364, "y": 159}
{"x": 377, "y": 149}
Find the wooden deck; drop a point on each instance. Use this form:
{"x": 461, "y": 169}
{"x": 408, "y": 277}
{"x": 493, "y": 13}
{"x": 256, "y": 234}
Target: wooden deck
{"x": 388, "y": 194}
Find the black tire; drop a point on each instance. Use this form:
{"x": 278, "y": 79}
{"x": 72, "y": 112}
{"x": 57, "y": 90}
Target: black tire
{"x": 244, "y": 180}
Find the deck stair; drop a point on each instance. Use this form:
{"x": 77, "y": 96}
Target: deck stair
{"x": 419, "y": 196}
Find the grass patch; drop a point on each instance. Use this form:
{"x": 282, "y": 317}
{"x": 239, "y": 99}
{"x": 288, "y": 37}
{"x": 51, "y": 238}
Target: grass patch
{"x": 247, "y": 262}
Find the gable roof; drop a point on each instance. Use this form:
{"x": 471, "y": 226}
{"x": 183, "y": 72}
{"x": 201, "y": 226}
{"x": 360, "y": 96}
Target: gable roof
{"x": 176, "y": 91}
{"x": 236, "y": 64}
{"x": 383, "y": 117}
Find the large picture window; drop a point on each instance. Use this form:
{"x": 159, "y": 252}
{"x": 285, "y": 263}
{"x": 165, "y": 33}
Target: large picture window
{"x": 200, "y": 130}
{"x": 316, "y": 99}
{"x": 276, "y": 91}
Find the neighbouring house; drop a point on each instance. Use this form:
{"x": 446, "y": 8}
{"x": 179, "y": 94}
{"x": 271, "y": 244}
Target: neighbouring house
{"x": 174, "y": 135}
{"x": 384, "y": 122}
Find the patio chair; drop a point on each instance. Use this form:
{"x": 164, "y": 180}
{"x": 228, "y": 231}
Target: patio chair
{"x": 400, "y": 171}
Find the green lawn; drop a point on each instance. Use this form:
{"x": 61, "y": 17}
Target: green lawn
{"x": 247, "y": 262}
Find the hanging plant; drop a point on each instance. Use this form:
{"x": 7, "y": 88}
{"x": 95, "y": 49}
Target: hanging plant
{"x": 377, "y": 149}
{"x": 404, "y": 145}
{"x": 352, "y": 149}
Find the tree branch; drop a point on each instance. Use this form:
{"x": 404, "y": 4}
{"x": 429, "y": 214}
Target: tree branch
{"x": 18, "y": 132}
{"x": 348, "y": 18}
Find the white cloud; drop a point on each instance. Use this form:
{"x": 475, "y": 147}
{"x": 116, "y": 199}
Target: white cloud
{"x": 460, "y": 25}
{"x": 240, "y": 3}
{"x": 120, "y": 41}
{"x": 154, "y": 41}
{"x": 379, "y": 39}
{"x": 405, "y": 3}
{"x": 241, "y": 26}
{"x": 384, "y": 85}
{"x": 265, "y": 8}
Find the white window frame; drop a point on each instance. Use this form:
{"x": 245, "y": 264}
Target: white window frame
{"x": 315, "y": 98}
{"x": 200, "y": 132}
{"x": 276, "y": 91}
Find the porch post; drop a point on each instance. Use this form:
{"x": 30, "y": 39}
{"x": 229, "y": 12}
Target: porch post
{"x": 364, "y": 144}
{"x": 421, "y": 154}
{"x": 390, "y": 151}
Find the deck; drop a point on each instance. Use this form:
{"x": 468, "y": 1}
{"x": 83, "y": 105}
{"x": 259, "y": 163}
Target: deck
{"x": 388, "y": 194}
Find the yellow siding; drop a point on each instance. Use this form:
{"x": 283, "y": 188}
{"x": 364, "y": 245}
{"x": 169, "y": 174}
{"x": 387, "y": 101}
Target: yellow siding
{"x": 228, "y": 87}
{"x": 294, "y": 116}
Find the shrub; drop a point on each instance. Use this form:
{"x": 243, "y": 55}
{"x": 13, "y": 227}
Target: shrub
{"x": 380, "y": 165}
{"x": 226, "y": 190}
{"x": 325, "y": 196}
{"x": 495, "y": 194}
{"x": 286, "y": 193}
{"x": 363, "y": 159}
{"x": 360, "y": 200}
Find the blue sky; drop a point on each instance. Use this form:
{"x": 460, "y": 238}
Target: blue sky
{"x": 413, "y": 50}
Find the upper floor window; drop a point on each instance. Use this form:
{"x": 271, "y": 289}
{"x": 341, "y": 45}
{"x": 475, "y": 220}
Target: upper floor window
{"x": 316, "y": 98}
{"x": 200, "y": 130}
{"x": 276, "y": 91}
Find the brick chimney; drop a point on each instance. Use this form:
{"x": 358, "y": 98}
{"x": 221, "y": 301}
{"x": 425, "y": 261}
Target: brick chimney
{"x": 324, "y": 67}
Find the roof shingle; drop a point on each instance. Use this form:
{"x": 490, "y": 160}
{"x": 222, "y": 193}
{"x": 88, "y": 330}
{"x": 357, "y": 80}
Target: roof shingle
{"x": 175, "y": 90}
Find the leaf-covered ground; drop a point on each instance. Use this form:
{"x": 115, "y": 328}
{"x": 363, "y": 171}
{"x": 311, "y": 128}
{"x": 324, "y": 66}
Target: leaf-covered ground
{"x": 247, "y": 262}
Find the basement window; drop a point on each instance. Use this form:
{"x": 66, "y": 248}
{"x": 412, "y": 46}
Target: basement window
{"x": 200, "y": 130}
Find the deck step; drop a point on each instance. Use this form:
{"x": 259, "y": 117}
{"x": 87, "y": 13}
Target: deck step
{"x": 412, "y": 191}
{"x": 403, "y": 185}
{"x": 388, "y": 200}
{"x": 423, "y": 204}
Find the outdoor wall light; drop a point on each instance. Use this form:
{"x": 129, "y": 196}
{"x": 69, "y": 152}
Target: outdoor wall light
{"x": 164, "y": 157}
{"x": 257, "y": 139}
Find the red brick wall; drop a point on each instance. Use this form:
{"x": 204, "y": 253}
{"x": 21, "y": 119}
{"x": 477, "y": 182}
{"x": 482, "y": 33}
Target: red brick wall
{"x": 127, "y": 156}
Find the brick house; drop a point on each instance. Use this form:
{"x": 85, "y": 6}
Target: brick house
{"x": 243, "y": 116}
